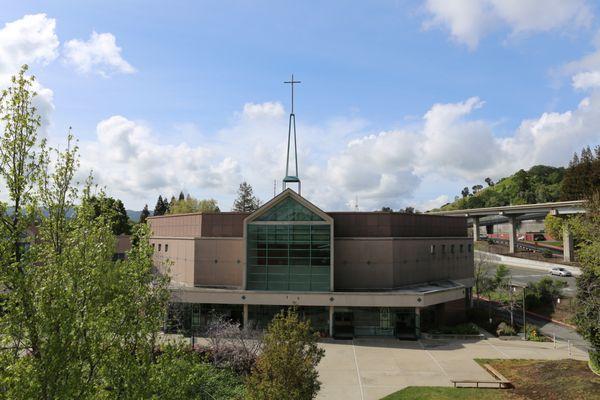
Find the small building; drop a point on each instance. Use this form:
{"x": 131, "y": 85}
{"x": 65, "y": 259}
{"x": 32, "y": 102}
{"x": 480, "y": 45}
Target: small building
{"x": 351, "y": 273}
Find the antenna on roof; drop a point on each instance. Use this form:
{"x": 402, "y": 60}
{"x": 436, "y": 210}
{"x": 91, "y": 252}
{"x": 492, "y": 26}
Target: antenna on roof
{"x": 356, "y": 203}
{"x": 274, "y": 187}
{"x": 292, "y": 124}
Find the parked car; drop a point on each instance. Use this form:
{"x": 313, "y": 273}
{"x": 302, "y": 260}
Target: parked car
{"x": 559, "y": 271}
{"x": 539, "y": 237}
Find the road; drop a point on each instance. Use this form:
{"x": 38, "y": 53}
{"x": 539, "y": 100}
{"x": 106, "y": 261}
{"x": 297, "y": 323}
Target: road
{"x": 525, "y": 275}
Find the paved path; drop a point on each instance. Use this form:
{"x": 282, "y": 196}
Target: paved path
{"x": 369, "y": 369}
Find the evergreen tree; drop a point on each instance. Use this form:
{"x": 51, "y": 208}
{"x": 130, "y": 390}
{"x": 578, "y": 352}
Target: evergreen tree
{"x": 583, "y": 175}
{"x": 246, "y": 201}
{"x": 161, "y": 207}
{"x": 111, "y": 210}
{"x": 144, "y": 215}
{"x": 182, "y": 196}
{"x": 287, "y": 366}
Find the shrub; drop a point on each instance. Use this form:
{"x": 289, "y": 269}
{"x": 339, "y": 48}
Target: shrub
{"x": 532, "y": 334}
{"x": 505, "y": 329}
{"x": 547, "y": 253}
{"x": 180, "y": 373}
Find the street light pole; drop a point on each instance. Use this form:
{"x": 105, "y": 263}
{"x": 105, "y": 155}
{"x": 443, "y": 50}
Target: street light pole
{"x": 524, "y": 323}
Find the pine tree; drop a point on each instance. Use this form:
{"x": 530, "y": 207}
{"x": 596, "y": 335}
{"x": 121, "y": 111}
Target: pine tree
{"x": 160, "y": 208}
{"x": 181, "y": 196}
{"x": 144, "y": 215}
{"x": 246, "y": 201}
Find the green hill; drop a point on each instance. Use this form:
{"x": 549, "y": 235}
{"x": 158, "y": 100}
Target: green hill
{"x": 539, "y": 184}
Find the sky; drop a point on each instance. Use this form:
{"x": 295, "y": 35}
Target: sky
{"x": 402, "y": 103}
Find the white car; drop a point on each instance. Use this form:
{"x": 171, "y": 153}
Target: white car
{"x": 558, "y": 271}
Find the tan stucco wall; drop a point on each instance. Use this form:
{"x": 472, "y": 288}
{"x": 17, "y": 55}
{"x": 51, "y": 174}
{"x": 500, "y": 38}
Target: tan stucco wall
{"x": 185, "y": 225}
{"x": 219, "y": 262}
{"x": 179, "y": 258}
{"x": 395, "y": 262}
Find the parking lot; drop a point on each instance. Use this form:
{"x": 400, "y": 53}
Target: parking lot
{"x": 369, "y": 369}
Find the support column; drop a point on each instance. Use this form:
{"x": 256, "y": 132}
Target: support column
{"x": 330, "y": 321}
{"x": 475, "y": 229}
{"x": 418, "y": 322}
{"x": 568, "y": 253}
{"x": 512, "y": 234}
{"x": 245, "y": 318}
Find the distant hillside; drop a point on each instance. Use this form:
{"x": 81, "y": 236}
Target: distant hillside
{"x": 134, "y": 215}
{"x": 538, "y": 185}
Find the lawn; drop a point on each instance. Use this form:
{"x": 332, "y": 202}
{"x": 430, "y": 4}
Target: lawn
{"x": 533, "y": 379}
{"x": 450, "y": 393}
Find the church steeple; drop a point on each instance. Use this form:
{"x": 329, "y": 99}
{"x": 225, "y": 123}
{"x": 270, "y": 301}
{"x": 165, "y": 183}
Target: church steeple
{"x": 292, "y": 178}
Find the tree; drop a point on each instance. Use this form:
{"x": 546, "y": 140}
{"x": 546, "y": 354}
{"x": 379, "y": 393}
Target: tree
{"x": 582, "y": 178}
{"x": 246, "y": 201}
{"x": 465, "y": 192}
{"x": 161, "y": 207}
{"x": 71, "y": 324}
{"x": 112, "y": 210}
{"x": 193, "y": 205}
{"x": 182, "y": 196}
{"x": 386, "y": 209}
{"x": 489, "y": 181}
{"x": 476, "y": 188}
{"x": 144, "y": 215}
{"x": 287, "y": 367}
{"x": 587, "y": 315}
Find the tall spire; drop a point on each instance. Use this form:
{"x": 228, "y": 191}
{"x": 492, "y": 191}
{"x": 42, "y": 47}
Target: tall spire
{"x": 289, "y": 178}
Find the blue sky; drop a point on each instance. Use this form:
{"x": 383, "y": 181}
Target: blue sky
{"x": 401, "y": 102}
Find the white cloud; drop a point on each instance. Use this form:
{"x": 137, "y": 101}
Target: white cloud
{"x": 31, "y": 39}
{"x": 339, "y": 161}
{"x": 470, "y": 20}
{"x": 434, "y": 203}
{"x": 100, "y": 54}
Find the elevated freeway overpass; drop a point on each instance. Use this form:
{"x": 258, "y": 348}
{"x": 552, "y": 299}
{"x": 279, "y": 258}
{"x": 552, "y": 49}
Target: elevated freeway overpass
{"x": 513, "y": 214}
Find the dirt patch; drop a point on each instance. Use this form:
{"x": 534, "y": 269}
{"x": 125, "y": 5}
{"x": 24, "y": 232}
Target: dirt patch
{"x": 550, "y": 380}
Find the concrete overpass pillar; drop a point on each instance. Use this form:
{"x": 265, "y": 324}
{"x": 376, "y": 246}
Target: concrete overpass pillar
{"x": 512, "y": 234}
{"x": 475, "y": 228}
{"x": 568, "y": 251}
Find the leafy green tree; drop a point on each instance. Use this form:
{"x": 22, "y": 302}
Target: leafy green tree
{"x": 287, "y": 367}
{"x": 246, "y": 201}
{"x": 144, "y": 215}
{"x": 193, "y": 205}
{"x": 74, "y": 323}
{"x": 111, "y": 210}
{"x": 587, "y": 318}
{"x": 161, "y": 207}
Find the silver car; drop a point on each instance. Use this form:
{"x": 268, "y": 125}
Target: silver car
{"x": 559, "y": 271}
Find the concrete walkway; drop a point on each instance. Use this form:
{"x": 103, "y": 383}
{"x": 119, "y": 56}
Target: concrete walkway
{"x": 369, "y": 369}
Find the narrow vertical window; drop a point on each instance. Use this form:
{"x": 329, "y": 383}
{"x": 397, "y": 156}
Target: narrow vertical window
{"x": 443, "y": 248}
{"x": 470, "y": 248}
{"x": 166, "y": 248}
{"x": 432, "y": 249}
{"x": 461, "y": 248}
{"x": 452, "y": 249}
{"x": 159, "y": 247}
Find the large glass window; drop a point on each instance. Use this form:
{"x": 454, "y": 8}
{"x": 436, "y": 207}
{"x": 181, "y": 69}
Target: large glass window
{"x": 288, "y": 257}
{"x": 289, "y": 210}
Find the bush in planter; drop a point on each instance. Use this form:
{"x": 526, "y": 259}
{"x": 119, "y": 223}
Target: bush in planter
{"x": 532, "y": 334}
{"x": 505, "y": 329}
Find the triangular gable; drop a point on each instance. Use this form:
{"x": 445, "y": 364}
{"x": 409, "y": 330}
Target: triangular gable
{"x": 289, "y": 206}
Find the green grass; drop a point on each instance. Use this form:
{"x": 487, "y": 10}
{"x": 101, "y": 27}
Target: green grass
{"x": 448, "y": 393}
